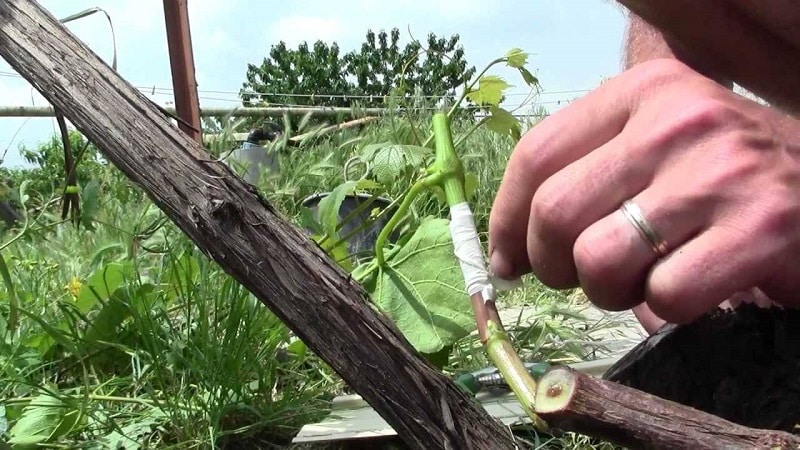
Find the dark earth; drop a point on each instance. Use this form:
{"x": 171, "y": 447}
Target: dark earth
{"x": 742, "y": 365}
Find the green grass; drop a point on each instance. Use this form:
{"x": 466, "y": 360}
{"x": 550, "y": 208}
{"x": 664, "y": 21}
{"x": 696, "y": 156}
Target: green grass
{"x": 157, "y": 343}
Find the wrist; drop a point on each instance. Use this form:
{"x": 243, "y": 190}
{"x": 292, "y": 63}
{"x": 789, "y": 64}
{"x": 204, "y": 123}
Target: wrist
{"x": 643, "y": 42}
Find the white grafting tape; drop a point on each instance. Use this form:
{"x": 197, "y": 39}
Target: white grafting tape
{"x": 468, "y": 250}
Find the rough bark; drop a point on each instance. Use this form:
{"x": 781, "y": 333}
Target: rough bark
{"x": 574, "y": 401}
{"x": 239, "y": 230}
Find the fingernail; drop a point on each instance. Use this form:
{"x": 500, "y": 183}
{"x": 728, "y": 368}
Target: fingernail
{"x": 501, "y": 275}
{"x": 499, "y": 266}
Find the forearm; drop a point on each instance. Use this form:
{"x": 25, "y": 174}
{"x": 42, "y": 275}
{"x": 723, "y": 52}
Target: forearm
{"x": 643, "y": 42}
{"x": 728, "y": 44}
{"x": 780, "y": 17}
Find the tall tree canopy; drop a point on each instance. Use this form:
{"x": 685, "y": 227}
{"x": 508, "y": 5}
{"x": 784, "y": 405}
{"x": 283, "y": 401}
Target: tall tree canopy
{"x": 304, "y": 75}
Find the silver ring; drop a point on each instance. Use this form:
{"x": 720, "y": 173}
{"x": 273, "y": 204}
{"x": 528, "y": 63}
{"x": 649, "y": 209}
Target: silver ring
{"x": 634, "y": 215}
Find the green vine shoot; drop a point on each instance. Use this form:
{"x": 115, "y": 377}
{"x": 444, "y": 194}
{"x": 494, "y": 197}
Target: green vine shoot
{"x": 415, "y": 279}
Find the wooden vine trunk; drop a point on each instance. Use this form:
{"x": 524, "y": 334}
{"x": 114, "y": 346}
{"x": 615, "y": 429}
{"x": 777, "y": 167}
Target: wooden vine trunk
{"x": 239, "y": 230}
{"x": 574, "y": 401}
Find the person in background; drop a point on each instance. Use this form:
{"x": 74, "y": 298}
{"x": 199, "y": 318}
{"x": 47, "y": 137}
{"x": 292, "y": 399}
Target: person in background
{"x": 663, "y": 190}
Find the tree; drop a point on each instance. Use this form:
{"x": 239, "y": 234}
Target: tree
{"x": 383, "y": 68}
{"x": 361, "y": 77}
{"x": 300, "y": 71}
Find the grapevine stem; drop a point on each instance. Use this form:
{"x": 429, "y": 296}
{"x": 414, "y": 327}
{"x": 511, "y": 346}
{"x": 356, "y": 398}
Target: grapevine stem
{"x": 466, "y": 135}
{"x": 415, "y": 190}
{"x": 490, "y": 328}
{"x": 467, "y": 90}
{"x": 363, "y": 226}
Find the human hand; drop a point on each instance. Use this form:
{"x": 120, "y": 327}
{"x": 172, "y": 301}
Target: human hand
{"x": 715, "y": 174}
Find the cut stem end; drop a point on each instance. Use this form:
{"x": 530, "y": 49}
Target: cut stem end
{"x": 555, "y": 390}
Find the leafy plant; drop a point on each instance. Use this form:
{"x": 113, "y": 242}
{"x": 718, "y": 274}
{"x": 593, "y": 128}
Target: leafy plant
{"x": 44, "y": 419}
{"x": 89, "y": 312}
{"x": 420, "y": 286}
{"x": 127, "y": 336}
{"x": 416, "y": 281}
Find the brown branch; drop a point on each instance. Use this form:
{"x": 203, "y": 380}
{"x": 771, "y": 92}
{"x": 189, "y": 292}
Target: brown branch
{"x": 332, "y": 128}
{"x": 70, "y": 201}
{"x": 236, "y": 228}
{"x": 574, "y": 401}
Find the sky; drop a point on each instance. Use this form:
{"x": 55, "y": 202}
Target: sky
{"x": 573, "y": 44}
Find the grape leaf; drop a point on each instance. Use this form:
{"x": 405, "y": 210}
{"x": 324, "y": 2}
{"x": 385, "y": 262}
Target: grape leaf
{"x": 490, "y": 90}
{"x": 298, "y": 348}
{"x": 422, "y": 290}
{"x": 101, "y": 285}
{"x": 528, "y": 77}
{"x": 516, "y": 58}
{"x": 366, "y": 184}
{"x": 338, "y": 253}
{"x": 389, "y": 161}
{"x": 130, "y": 435}
{"x": 328, "y": 211}
{"x": 45, "y": 419}
{"x": 90, "y": 204}
{"x": 309, "y": 222}
{"x": 504, "y": 123}
{"x": 471, "y": 184}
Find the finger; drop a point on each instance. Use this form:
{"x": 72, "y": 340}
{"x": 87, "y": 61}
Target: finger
{"x": 562, "y": 138}
{"x": 703, "y": 273}
{"x": 613, "y": 259}
{"x": 574, "y": 198}
{"x": 650, "y": 322}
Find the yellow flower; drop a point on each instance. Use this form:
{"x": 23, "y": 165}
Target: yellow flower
{"x": 74, "y": 287}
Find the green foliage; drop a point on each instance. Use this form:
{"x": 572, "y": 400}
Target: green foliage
{"x": 390, "y": 162}
{"x": 328, "y": 212}
{"x": 490, "y": 90}
{"x": 301, "y": 71}
{"x": 131, "y": 435}
{"x": 516, "y": 58}
{"x": 171, "y": 331}
{"x": 130, "y": 337}
{"x": 44, "y": 420}
{"x": 158, "y": 347}
{"x": 422, "y": 290}
{"x": 504, "y": 123}
{"x": 48, "y": 159}
{"x": 420, "y": 286}
{"x": 46, "y": 177}
{"x": 378, "y": 69}
{"x": 382, "y": 68}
